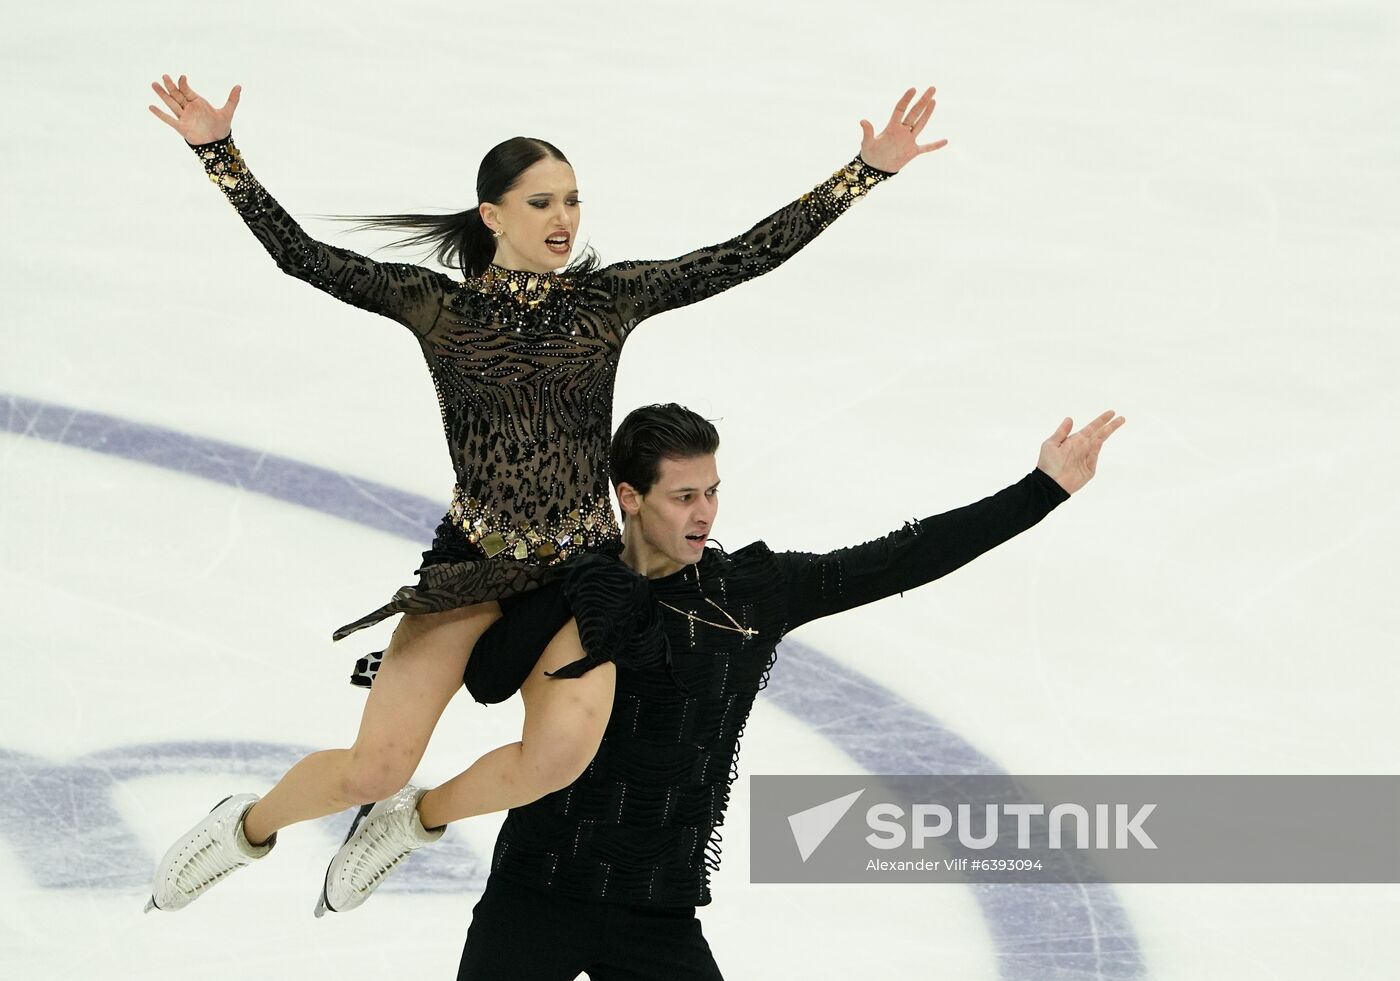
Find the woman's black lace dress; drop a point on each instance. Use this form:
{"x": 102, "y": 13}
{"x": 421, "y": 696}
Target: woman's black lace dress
{"x": 524, "y": 366}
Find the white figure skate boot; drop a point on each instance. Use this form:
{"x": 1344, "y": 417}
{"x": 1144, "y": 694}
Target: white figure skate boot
{"x": 382, "y": 836}
{"x": 206, "y": 854}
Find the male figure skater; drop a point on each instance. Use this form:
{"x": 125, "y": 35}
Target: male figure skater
{"x": 604, "y": 875}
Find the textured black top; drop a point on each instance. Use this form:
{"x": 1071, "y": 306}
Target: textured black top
{"x": 524, "y": 363}
{"x": 639, "y": 826}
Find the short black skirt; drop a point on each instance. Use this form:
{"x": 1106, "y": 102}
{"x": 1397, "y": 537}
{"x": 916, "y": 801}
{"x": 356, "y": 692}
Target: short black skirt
{"x": 618, "y": 620}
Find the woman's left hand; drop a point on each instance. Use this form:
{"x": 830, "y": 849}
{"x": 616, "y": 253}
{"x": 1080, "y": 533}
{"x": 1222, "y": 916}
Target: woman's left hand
{"x": 898, "y": 143}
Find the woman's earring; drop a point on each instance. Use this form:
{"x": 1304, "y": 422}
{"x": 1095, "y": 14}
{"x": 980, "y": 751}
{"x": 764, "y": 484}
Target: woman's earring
{"x": 496, "y": 233}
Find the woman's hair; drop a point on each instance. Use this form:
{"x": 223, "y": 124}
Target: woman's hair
{"x": 462, "y": 240}
{"x": 653, "y": 433}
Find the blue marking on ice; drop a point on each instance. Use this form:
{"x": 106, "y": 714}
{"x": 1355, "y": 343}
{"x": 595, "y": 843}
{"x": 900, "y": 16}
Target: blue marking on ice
{"x": 1045, "y": 931}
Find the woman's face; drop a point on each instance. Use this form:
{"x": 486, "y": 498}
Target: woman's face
{"x": 537, "y": 218}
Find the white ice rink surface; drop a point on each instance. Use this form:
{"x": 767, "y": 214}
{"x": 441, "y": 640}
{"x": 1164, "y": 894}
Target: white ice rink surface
{"x": 1183, "y": 212}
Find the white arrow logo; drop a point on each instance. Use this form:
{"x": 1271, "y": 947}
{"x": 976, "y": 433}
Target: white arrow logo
{"x": 810, "y": 827}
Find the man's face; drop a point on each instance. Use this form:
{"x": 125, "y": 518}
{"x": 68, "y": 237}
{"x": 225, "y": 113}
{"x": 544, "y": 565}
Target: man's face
{"x": 676, "y": 516}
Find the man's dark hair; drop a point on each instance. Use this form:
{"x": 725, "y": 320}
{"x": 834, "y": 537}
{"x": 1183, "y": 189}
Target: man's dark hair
{"x": 653, "y": 433}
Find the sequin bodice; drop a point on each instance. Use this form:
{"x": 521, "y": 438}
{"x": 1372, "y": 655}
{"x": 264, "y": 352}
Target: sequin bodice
{"x": 524, "y": 363}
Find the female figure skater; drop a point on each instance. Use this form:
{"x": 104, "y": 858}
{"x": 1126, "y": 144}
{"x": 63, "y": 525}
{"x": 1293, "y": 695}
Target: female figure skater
{"x": 523, "y": 358}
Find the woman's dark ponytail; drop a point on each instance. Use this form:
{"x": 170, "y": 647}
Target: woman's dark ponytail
{"x": 476, "y": 246}
{"x": 459, "y": 241}
{"x": 462, "y": 240}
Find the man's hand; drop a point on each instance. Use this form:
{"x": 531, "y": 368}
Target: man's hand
{"x": 1071, "y": 460}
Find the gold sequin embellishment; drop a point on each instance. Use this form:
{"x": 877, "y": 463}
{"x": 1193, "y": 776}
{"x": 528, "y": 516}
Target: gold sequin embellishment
{"x": 591, "y": 525}
{"x": 526, "y": 288}
{"x": 852, "y": 181}
{"x": 225, "y": 169}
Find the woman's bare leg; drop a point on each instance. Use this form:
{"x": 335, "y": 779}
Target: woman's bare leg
{"x": 421, "y": 671}
{"x": 564, "y": 722}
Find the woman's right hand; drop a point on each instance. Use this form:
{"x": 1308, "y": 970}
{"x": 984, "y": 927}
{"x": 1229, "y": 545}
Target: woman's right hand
{"x": 195, "y": 119}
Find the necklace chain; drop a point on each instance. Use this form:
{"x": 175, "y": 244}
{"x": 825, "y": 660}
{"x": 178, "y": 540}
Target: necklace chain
{"x": 746, "y": 631}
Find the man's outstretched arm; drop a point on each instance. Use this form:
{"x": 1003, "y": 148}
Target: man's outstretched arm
{"x": 819, "y": 585}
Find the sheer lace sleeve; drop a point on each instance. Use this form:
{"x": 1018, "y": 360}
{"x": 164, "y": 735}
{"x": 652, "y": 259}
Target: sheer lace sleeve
{"x": 644, "y": 289}
{"x": 409, "y": 294}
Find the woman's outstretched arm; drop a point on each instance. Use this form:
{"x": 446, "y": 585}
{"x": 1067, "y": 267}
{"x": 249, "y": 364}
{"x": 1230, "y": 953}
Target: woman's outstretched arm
{"x": 644, "y": 289}
{"x": 403, "y": 292}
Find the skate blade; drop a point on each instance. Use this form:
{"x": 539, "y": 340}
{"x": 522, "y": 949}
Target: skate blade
{"x": 150, "y": 905}
{"x": 321, "y": 906}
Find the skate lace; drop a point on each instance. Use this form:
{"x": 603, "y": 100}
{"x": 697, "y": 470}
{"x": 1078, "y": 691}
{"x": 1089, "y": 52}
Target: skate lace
{"x": 382, "y": 850}
{"x": 212, "y": 862}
